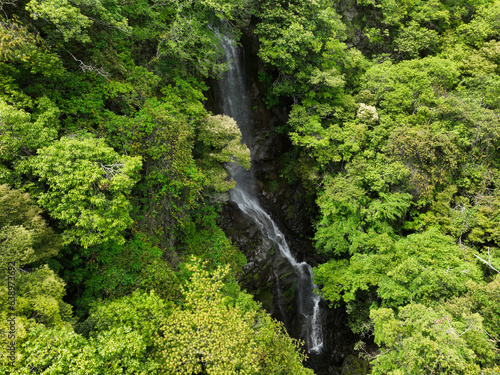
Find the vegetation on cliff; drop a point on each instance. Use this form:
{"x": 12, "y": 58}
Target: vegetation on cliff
{"x": 112, "y": 176}
{"x": 396, "y": 116}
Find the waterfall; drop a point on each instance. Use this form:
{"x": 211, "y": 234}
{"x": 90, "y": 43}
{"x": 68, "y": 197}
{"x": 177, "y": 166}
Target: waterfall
{"x": 235, "y": 103}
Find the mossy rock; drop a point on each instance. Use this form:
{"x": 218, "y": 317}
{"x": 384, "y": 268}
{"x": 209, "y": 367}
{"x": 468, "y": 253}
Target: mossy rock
{"x": 354, "y": 366}
{"x": 266, "y": 298}
{"x": 286, "y": 275}
{"x": 289, "y": 294}
{"x": 290, "y": 212}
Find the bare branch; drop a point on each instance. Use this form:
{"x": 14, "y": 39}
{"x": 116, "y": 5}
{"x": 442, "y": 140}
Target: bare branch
{"x": 112, "y": 169}
{"x": 7, "y": 2}
{"x": 487, "y": 262}
{"x": 90, "y": 68}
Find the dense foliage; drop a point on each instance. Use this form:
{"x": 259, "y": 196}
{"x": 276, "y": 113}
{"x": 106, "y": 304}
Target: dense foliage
{"x": 112, "y": 176}
{"x": 396, "y": 116}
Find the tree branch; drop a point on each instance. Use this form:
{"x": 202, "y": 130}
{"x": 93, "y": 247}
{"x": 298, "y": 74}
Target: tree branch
{"x": 487, "y": 262}
{"x": 89, "y": 68}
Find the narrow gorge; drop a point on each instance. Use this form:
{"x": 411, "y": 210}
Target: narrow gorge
{"x": 235, "y": 103}
{"x": 285, "y": 284}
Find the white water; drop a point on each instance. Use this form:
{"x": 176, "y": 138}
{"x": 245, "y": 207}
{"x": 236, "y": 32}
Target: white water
{"x": 235, "y": 103}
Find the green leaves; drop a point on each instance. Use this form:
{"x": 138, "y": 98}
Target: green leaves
{"x": 67, "y": 18}
{"x": 70, "y": 20}
{"x": 89, "y": 186}
{"x": 139, "y": 312}
{"x": 402, "y": 153}
{"x": 32, "y": 293}
{"x": 210, "y": 334}
{"x": 143, "y": 334}
{"x": 424, "y": 268}
{"x": 351, "y": 220}
{"x": 221, "y": 140}
{"x": 110, "y": 271}
{"x": 299, "y": 39}
{"x": 21, "y": 137}
{"x": 190, "y": 38}
{"x": 423, "y": 340}
{"x": 404, "y": 166}
{"x": 484, "y": 26}
{"x": 25, "y": 237}
{"x": 118, "y": 340}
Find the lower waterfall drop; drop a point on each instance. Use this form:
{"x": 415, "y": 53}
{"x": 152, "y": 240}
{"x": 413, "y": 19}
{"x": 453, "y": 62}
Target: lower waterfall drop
{"x": 235, "y": 103}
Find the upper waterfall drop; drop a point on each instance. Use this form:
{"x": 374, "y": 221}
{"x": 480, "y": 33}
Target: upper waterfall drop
{"x": 235, "y": 103}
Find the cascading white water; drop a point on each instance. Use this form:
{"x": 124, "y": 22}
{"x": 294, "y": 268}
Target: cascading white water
{"x": 235, "y": 103}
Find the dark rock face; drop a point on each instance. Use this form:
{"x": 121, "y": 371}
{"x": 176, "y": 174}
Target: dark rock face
{"x": 354, "y": 366}
{"x": 267, "y": 275}
{"x": 271, "y": 279}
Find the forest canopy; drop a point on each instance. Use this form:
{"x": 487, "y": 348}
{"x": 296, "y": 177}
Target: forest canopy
{"x": 112, "y": 180}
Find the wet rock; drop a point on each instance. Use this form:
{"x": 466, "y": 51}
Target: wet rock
{"x": 354, "y": 366}
{"x": 267, "y": 275}
{"x": 268, "y": 146}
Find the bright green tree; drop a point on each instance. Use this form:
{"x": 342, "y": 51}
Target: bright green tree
{"x": 221, "y": 139}
{"x": 424, "y": 340}
{"x": 88, "y": 188}
{"x": 210, "y": 334}
{"x": 117, "y": 338}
